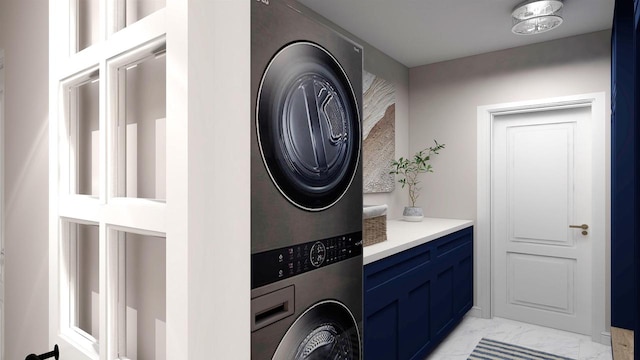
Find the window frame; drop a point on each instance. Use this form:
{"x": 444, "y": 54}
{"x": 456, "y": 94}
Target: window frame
{"x": 68, "y": 69}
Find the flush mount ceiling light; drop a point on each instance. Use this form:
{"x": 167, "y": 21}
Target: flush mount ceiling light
{"x": 536, "y": 16}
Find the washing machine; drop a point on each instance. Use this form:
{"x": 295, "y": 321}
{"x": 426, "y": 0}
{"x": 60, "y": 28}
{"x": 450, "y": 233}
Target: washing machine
{"x": 306, "y": 187}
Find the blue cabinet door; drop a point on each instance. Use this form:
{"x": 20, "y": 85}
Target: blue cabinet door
{"x": 412, "y": 300}
{"x": 415, "y": 315}
{"x": 453, "y": 283}
{"x": 398, "y": 317}
{"x": 396, "y": 302}
{"x": 382, "y": 323}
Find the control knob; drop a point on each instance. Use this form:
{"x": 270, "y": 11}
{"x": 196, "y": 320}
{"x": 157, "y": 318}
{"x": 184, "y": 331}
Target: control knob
{"x": 317, "y": 254}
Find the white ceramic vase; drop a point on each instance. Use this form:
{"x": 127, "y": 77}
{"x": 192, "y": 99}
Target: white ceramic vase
{"x": 412, "y": 213}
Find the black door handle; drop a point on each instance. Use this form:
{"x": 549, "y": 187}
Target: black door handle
{"x": 51, "y": 354}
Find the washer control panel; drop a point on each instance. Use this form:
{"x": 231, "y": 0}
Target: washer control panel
{"x": 275, "y": 265}
{"x": 317, "y": 254}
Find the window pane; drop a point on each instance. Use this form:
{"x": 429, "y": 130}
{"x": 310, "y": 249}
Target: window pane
{"x": 84, "y": 279}
{"x": 84, "y": 137}
{"x": 142, "y": 129}
{"x": 143, "y": 304}
{"x": 135, "y": 10}
{"x": 88, "y": 17}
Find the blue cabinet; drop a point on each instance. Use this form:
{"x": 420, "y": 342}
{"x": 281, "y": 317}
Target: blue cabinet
{"x": 624, "y": 168}
{"x": 413, "y": 299}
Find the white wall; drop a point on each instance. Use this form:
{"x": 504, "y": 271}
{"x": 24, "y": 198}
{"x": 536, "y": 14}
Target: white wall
{"x": 24, "y": 38}
{"x": 444, "y": 98}
{"x": 380, "y": 64}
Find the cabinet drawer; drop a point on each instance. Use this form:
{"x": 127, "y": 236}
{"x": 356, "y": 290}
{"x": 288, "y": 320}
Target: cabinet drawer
{"x": 382, "y": 271}
{"x": 453, "y": 242}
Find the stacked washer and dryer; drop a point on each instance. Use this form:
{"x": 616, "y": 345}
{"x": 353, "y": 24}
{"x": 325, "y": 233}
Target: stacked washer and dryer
{"x": 306, "y": 187}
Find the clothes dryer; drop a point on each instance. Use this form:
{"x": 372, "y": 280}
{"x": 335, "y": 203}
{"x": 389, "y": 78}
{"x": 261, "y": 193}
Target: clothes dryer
{"x": 306, "y": 186}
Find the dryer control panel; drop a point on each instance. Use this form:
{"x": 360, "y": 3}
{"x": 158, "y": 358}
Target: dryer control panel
{"x": 274, "y": 265}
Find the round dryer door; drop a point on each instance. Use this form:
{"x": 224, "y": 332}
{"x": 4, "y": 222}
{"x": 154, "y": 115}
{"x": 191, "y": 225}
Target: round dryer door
{"x": 308, "y": 126}
{"x": 326, "y": 331}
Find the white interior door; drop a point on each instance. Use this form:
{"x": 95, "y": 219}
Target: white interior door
{"x": 541, "y": 185}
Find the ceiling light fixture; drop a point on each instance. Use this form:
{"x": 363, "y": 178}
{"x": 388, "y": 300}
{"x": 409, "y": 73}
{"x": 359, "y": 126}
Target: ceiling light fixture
{"x": 536, "y": 16}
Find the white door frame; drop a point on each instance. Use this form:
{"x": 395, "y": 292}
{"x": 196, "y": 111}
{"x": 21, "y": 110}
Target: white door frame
{"x": 601, "y": 176}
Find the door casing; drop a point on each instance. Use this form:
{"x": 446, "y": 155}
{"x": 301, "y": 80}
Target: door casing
{"x": 600, "y": 203}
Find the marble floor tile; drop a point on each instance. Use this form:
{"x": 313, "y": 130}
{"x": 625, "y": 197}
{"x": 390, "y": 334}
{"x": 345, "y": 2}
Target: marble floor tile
{"x": 464, "y": 338}
{"x": 593, "y": 351}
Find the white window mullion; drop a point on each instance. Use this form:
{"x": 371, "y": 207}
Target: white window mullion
{"x": 118, "y": 15}
{"x": 110, "y": 116}
{"x": 136, "y": 35}
{"x": 119, "y": 92}
{"x": 71, "y": 241}
{"x": 63, "y": 15}
{"x": 141, "y": 214}
{"x": 61, "y": 141}
{"x": 71, "y": 136}
{"x": 73, "y": 33}
{"x": 65, "y": 286}
{"x": 81, "y": 208}
{"x": 75, "y": 63}
{"x": 104, "y": 131}
{"x": 109, "y": 297}
{"x": 120, "y": 239}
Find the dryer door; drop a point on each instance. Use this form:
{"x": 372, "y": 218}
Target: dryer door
{"x": 326, "y": 331}
{"x": 308, "y": 126}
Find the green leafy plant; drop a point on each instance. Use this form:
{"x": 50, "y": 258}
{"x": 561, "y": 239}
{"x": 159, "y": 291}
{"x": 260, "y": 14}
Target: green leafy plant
{"x": 409, "y": 169}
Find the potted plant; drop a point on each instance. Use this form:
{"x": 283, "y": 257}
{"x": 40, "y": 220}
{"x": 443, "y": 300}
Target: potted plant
{"x": 409, "y": 169}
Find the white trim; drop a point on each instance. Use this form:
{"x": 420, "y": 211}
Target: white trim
{"x": 600, "y": 212}
{"x": 475, "y": 312}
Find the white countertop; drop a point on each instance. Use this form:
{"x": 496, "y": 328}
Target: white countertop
{"x": 403, "y": 235}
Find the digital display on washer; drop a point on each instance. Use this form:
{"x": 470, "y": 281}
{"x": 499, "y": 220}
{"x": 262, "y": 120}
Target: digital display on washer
{"x": 275, "y": 265}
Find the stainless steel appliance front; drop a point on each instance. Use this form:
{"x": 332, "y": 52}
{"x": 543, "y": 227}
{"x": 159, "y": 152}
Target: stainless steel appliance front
{"x": 306, "y": 187}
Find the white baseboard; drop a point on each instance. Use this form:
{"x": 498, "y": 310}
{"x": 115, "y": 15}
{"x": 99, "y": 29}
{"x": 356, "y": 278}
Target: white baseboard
{"x": 475, "y": 312}
{"x": 605, "y": 338}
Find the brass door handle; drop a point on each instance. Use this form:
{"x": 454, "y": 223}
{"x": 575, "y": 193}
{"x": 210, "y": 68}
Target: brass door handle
{"x": 583, "y": 226}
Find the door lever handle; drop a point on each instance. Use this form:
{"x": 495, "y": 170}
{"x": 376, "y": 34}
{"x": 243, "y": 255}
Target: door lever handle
{"x": 583, "y": 226}
{"x": 51, "y": 354}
